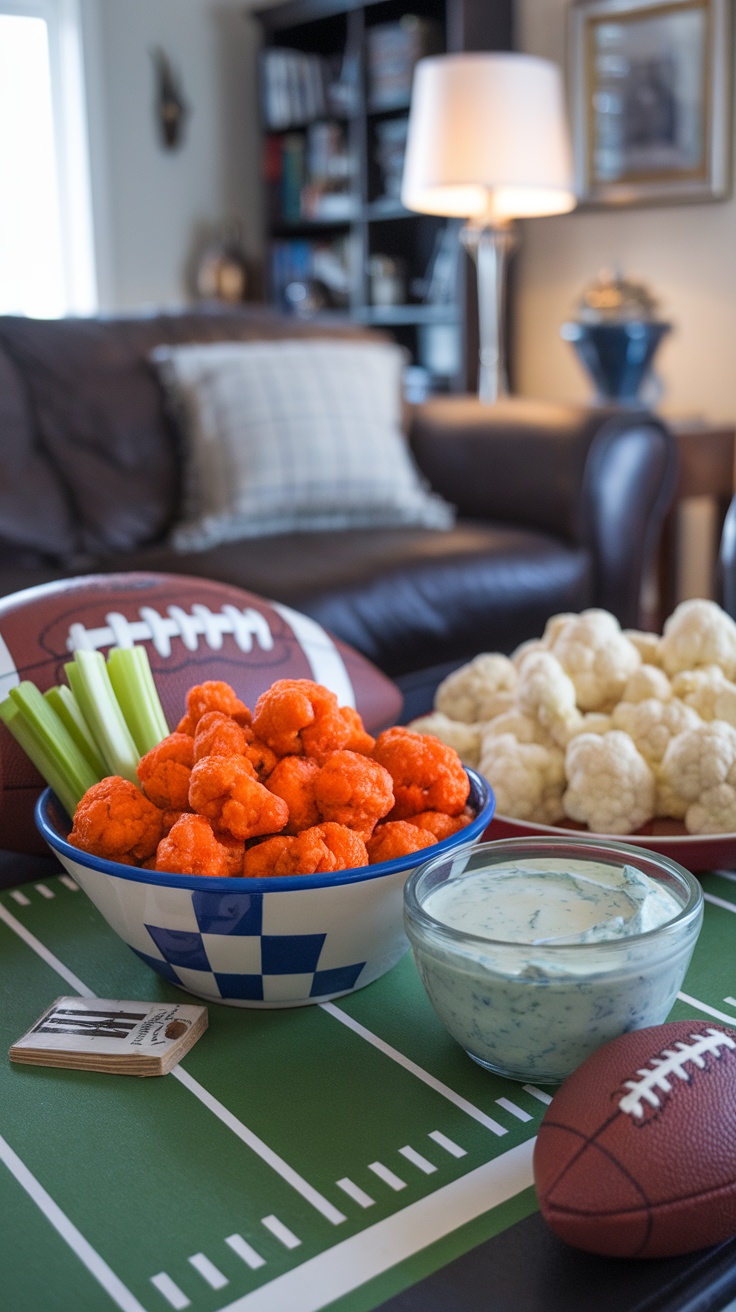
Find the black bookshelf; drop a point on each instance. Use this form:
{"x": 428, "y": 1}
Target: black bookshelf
{"x": 335, "y": 87}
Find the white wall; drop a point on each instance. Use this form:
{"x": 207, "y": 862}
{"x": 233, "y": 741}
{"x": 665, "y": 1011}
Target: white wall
{"x": 152, "y": 205}
{"x": 687, "y": 253}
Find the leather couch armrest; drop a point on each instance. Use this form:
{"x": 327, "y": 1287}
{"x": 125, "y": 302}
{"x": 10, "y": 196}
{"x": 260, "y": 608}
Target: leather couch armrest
{"x": 601, "y": 478}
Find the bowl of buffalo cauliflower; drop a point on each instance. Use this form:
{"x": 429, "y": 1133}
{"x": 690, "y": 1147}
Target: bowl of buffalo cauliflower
{"x": 617, "y": 732}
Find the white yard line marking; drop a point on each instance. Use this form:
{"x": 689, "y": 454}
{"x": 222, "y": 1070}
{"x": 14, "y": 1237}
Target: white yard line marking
{"x": 171, "y": 1292}
{"x": 95, "y": 1264}
{"x": 208, "y": 1271}
{"x": 452, "y": 1148}
{"x": 720, "y": 902}
{"x": 287, "y": 1173}
{"x": 411, "y": 1066}
{"x": 44, "y": 954}
{"x": 512, "y": 1108}
{"x": 537, "y": 1093}
{"x": 726, "y": 874}
{"x": 69, "y": 883}
{"x": 709, "y": 1011}
{"x": 417, "y": 1160}
{"x": 731, "y": 1001}
{"x": 44, "y": 891}
{"x": 282, "y": 1232}
{"x": 388, "y": 1177}
{"x": 346, "y": 1266}
{"x": 20, "y": 898}
{"x": 243, "y": 1250}
{"x": 355, "y": 1192}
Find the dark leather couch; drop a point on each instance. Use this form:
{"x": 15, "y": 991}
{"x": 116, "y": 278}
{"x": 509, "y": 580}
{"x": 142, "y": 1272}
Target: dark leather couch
{"x": 560, "y": 507}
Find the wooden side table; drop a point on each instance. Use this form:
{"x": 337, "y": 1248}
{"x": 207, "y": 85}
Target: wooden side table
{"x": 706, "y": 469}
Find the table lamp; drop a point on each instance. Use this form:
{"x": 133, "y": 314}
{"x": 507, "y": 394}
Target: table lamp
{"x": 488, "y": 142}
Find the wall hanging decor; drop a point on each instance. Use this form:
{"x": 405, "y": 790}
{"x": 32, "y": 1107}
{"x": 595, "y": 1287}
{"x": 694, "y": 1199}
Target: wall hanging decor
{"x": 650, "y": 92}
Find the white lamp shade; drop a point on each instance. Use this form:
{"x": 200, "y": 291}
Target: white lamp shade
{"x": 487, "y": 138}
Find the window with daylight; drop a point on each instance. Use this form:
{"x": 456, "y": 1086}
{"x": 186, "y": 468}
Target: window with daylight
{"x": 46, "y": 251}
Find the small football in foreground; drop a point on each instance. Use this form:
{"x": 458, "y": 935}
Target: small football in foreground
{"x": 636, "y": 1153}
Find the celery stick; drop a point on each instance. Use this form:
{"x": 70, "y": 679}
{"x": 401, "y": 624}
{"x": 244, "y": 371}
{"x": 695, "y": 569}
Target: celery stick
{"x": 90, "y": 683}
{"x": 133, "y": 685}
{"x": 45, "y": 740}
{"x": 63, "y": 701}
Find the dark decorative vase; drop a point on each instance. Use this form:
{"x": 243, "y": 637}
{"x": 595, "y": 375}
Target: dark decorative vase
{"x": 618, "y": 356}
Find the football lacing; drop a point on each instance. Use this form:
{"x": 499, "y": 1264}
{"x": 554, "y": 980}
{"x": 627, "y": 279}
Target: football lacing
{"x": 245, "y": 626}
{"x": 670, "y": 1064}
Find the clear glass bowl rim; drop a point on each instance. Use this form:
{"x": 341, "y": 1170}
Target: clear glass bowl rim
{"x": 416, "y": 917}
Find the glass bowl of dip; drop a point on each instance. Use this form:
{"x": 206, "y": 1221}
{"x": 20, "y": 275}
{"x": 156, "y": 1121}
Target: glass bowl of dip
{"x": 535, "y": 952}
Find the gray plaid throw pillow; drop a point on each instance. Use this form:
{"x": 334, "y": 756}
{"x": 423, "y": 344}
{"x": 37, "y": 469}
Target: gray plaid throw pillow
{"x": 285, "y": 436}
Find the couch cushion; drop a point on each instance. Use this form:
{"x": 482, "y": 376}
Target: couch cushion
{"x": 35, "y": 512}
{"x": 292, "y": 436}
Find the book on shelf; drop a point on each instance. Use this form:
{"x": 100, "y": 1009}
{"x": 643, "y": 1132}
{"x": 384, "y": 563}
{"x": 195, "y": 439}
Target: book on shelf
{"x": 301, "y": 260}
{"x": 297, "y": 88}
{"x": 309, "y": 175}
{"x": 392, "y": 50}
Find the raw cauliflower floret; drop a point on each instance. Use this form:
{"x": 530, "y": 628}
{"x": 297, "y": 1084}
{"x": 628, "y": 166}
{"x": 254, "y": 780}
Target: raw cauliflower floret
{"x": 652, "y": 724}
{"x": 525, "y": 649}
{"x": 469, "y": 694}
{"x": 648, "y": 681}
{"x": 610, "y": 786}
{"x": 524, "y": 728}
{"x": 527, "y": 778}
{"x": 700, "y": 767}
{"x": 592, "y": 722}
{"x": 546, "y": 693}
{"x": 698, "y": 632}
{"x": 708, "y": 691}
{"x": 465, "y": 738}
{"x": 647, "y": 645}
{"x": 554, "y": 625}
{"x": 593, "y": 651}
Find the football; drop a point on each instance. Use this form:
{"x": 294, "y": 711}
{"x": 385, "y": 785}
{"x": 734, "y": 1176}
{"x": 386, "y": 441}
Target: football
{"x": 193, "y": 629}
{"x": 636, "y": 1153}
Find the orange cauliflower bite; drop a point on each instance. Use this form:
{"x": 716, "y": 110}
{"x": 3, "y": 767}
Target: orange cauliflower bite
{"x": 164, "y": 772}
{"x": 226, "y": 791}
{"x": 261, "y": 758}
{"x": 353, "y": 790}
{"x": 439, "y": 823}
{"x": 360, "y": 739}
{"x": 115, "y": 821}
{"x": 397, "y": 838}
{"x": 293, "y": 780}
{"x": 212, "y": 695}
{"x": 217, "y": 734}
{"x": 190, "y": 848}
{"x": 427, "y": 775}
{"x": 318, "y": 850}
{"x": 297, "y": 717}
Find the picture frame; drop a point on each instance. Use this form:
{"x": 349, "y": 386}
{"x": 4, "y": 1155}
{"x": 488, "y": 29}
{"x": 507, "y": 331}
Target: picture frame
{"x": 650, "y": 92}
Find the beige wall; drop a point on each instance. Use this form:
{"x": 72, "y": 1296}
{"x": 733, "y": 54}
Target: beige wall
{"x": 687, "y": 253}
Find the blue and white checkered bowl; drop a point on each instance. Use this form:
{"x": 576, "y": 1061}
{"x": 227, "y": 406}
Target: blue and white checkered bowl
{"x": 257, "y": 942}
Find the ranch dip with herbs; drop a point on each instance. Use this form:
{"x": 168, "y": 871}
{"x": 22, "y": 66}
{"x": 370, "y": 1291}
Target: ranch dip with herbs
{"x": 559, "y": 958}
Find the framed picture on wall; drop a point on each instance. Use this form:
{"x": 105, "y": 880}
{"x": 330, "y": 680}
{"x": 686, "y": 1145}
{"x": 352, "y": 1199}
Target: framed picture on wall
{"x": 651, "y": 100}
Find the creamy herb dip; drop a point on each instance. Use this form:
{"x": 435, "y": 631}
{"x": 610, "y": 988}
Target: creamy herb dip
{"x": 568, "y": 961}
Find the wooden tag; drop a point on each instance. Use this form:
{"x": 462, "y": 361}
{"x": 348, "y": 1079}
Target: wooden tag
{"x": 119, "y": 1038}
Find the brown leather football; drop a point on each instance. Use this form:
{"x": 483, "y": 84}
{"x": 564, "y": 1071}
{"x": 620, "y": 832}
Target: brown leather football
{"x": 636, "y": 1153}
{"x": 193, "y": 629}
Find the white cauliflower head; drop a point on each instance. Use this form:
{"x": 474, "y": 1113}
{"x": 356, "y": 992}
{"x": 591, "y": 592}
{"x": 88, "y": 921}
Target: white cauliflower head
{"x": 524, "y": 728}
{"x": 465, "y": 738}
{"x": 698, "y": 632}
{"x": 708, "y": 691}
{"x": 700, "y": 767}
{"x": 598, "y": 658}
{"x": 592, "y": 722}
{"x": 652, "y": 724}
{"x": 648, "y": 681}
{"x": 527, "y": 778}
{"x": 471, "y": 693}
{"x": 546, "y": 693}
{"x": 524, "y": 649}
{"x": 647, "y": 645}
{"x": 610, "y": 786}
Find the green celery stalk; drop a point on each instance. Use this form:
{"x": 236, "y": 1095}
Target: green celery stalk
{"x": 90, "y": 683}
{"x": 45, "y": 740}
{"x": 62, "y": 700}
{"x": 132, "y": 680}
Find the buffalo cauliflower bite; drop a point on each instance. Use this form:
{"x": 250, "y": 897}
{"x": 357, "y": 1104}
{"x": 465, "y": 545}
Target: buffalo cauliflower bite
{"x": 115, "y": 821}
{"x": 593, "y": 651}
{"x": 164, "y": 772}
{"x": 353, "y": 790}
{"x": 397, "y": 838}
{"x": 319, "y": 850}
{"x": 698, "y": 632}
{"x": 359, "y": 740}
{"x": 470, "y": 693}
{"x": 465, "y": 738}
{"x": 292, "y": 779}
{"x": 652, "y": 724}
{"x": 297, "y": 717}
{"x": 212, "y": 695}
{"x": 438, "y": 823}
{"x": 547, "y": 694}
{"x": 427, "y": 775}
{"x": 217, "y": 734}
{"x": 226, "y": 791}
{"x": 646, "y": 682}
{"x": 700, "y": 767}
{"x": 528, "y": 779}
{"x": 611, "y": 788}
{"x": 190, "y": 848}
